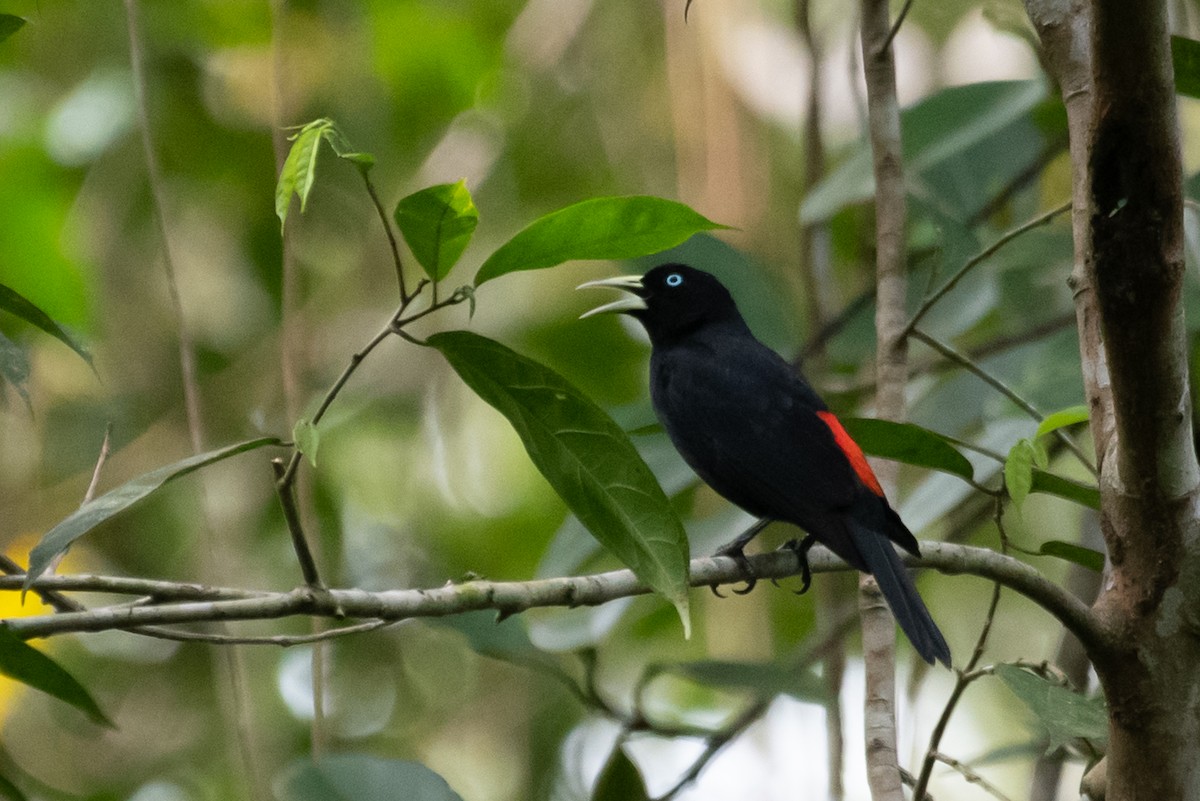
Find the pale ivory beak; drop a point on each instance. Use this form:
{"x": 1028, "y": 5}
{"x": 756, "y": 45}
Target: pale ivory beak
{"x": 627, "y": 283}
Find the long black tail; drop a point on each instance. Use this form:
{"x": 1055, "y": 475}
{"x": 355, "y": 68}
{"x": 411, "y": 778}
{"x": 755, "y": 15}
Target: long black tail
{"x": 910, "y": 611}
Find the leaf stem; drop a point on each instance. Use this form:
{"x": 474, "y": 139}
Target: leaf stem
{"x": 962, "y": 359}
{"x": 405, "y": 298}
{"x": 285, "y": 475}
{"x": 978, "y": 259}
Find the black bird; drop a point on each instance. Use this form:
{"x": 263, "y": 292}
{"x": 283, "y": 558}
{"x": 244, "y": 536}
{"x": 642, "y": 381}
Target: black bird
{"x": 750, "y": 425}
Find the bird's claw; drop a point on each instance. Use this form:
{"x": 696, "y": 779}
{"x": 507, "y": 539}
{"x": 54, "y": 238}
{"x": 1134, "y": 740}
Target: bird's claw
{"x": 734, "y": 551}
{"x": 801, "y": 549}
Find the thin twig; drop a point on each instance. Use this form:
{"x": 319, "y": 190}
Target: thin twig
{"x": 289, "y": 474}
{"x": 187, "y": 351}
{"x": 963, "y": 680}
{"x": 101, "y": 458}
{"x": 1032, "y": 171}
{"x": 291, "y": 515}
{"x": 983, "y": 351}
{"x": 896, "y": 25}
{"x": 391, "y": 237}
{"x": 155, "y": 590}
{"x": 52, "y": 598}
{"x": 232, "y": 690}
{"x": 961, "y": 358}
{"x": 978, "y": 259}
{"x": 809, "y": 653}
{"x": 280, "y": 640}
{"x": 971, "y": 776}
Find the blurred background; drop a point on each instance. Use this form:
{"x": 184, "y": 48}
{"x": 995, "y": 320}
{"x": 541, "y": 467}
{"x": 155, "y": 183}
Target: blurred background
{"x": 752, "y": 113}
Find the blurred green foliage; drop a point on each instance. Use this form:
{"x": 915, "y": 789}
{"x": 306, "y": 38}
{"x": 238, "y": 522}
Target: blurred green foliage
{"x": 537, "y": 105}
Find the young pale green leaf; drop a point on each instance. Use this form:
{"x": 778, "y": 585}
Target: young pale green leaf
{"x": 300, "y": 168}
{"x": 361, "y": 777}
{"x": 1063, "y": 418}
{"x": 14, "y": 367}
{"x": 1018, "y": 471}
{"x": 15, "y": 303}
{"x": 21, "y": 661}
{"x": 601, "y": 228}
{"x": 10, "y": 24}
{"x": 620, "y": 779}
{"x": 586, "y": 457}
{"x": 98, "y": 510}
{"x": 437, "y": 223}
{"x": 1041, "y": 455}
{"x": 908, "y": 443}
{"x": 1064, "y": 714}
{"x": 1085, "y": 557}
{"x": 344, "y": 150}
{"x": 307, "y": 439}
{"x": 1051, "y": 484}
{"x": 1185, "y": 58}
{"x": 764, "y": 678}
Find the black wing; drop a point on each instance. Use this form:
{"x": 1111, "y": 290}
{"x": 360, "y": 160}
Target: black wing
{"x": 747, "y": 425}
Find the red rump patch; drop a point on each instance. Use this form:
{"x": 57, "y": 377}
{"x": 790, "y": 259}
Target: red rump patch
{"x": 854, "y": 453}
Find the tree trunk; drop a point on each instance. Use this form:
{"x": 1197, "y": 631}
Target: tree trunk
{"x": 1150, "y": 664}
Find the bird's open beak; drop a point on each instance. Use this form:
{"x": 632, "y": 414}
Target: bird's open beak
{"x": 627, "y": 283}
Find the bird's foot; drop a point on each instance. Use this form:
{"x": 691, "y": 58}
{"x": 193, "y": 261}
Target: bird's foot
{"x": 801, "y": 549}
{"x": 734, "y": 551}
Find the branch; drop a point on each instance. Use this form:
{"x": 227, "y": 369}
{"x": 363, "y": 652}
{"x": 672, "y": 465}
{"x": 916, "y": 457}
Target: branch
{"x": 1005, "y": 390}
{"x": 962, "y": 681}
{"x": 716, "y": 741}
{"x": 152, "y": 589}
{"x": 1063, "y": 27}
{"x": 509, "y": 598}
{"x": 1137, "y": 273}
{"x": 977, "y": 259}
{"x": 891, "y": 375}
{"x": 971, "y": 776}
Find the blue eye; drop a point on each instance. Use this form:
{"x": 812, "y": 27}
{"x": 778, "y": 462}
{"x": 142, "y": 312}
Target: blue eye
{"x": 674, "y": 279}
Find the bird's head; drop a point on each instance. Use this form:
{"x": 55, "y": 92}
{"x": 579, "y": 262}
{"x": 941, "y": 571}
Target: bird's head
{"x": 670, "y": 301}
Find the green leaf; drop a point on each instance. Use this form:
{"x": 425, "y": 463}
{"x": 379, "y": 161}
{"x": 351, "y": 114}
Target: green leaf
{"x": 307, "y": 439}
{"x": 764, "y": 678}
{"x": 620, "y": 779}
{"x": 586, "y": 457}
{"x": 21, "y": 661}
{"x": 1018, "y": 471}
{"x": 300, "y": 167}
{"x": 1065, "y": 715}
{"x": 14, "y": 366}
{"x": 937, "y": 130}
{"x": 344, "y": 150}
{"x": 15, "y": 303}
{"x": 1086, "y": 557}
{"x": 10, "y": 791}
{"x": 601, "y": 228}
{"x": 111, "y": 503}
{"x": 908, "y": 443}
{"x": 10, "y": 24}
{"x": 1063, "y": 418}
{"x": 1041, "y": 456}
{"x": 361, "y": 777}
{"x": 1051, "y": 484}
{"x": 437, "y": 224}
{"x": 1185, "y": 57}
